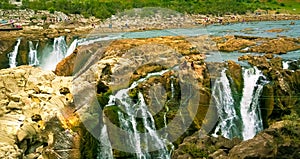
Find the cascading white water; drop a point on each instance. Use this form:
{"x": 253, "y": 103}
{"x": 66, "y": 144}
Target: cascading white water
{"x": 250, "y": 111}
{"x": 172, "y": 87}
{"x": 32, "y": 55}
{"x": 13, "y": 55}
{"x": 230, "y": 121}
{"x": 91, "y": 40}
{"x": 59, "y": 49}
{"x": 72, "y": 47}
{"x": 137, "y": 141}
{"x": 223, "y": 100}
{"x": 285, "y": 64}
{"x": 104, "y": 147}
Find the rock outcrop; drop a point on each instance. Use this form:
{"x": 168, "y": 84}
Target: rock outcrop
{"x": 36, "y": 115}
{"x": 244, "y": 44}
{"x": 276, "y": 46}
{"x": 124, "y": 61}
{"x": 233, "y": 44}
{"x": 281, "y": 140}
{"x": 183, "y": 46}
{"x": 66, "y": 66}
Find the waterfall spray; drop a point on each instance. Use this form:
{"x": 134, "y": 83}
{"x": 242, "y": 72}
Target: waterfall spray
{"x": 13, "y": 55}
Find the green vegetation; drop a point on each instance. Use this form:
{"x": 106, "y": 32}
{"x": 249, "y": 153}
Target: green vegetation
{"x": 4, "y": 4}
{"x": 105, "y": 8}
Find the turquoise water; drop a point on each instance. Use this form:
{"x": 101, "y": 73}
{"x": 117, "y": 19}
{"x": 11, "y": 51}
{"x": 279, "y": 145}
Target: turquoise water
{"x": 258, "y": 29}
{"x": 290, "y": 55}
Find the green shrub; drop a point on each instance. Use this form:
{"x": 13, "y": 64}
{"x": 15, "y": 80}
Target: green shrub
{"x": 44, "y": 17}
{"x": 104, "y": 9}
{"x": 51, "y": 10}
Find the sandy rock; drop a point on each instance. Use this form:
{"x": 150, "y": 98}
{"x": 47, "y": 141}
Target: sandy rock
{"x": 25, "y": 131}
{"x": 235, "y": 44}
{"x": 219, "y": 154}
{"x": 8, "y": 151}
{"x": 14, "y": 105}
{"x": 67, "y": 30}
{"x": 31, "y": 99}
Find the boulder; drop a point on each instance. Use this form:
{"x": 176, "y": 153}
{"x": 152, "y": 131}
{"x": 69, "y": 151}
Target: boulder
{"x": 276, "y": 46}
{"x": 235, "y": 44}
{"x": 261, "y": 146}
{"x": 280, "y": 140}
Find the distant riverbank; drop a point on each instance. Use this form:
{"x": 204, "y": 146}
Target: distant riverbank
{"x": 43, "y": 24}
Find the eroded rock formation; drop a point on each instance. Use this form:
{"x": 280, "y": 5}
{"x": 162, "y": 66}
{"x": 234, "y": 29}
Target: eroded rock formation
{"x": 36, "y": 115}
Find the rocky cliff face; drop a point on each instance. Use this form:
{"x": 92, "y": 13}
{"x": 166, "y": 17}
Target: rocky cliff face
{"x": 36, "y": 115}
{"x": 280, "y": 94}
{"x": 124, "y": 61}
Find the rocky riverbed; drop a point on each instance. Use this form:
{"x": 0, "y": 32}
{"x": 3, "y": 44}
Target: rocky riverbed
{"x": 56, "y": 114}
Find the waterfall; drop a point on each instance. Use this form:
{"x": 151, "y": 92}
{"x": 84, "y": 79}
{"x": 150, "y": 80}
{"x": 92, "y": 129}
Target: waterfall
{"x": 223, "y": 100}
{"x": 232, "y": 124}
{"x": 91, "y": 40}
{"x": 13, "y": 55}
{"x": 250, "y": 111}
{"x": 172, "y": 87}
{"x": 105, "y": 147}
{"x": 59, "y": 49}
{"x": 32, "y": 56}
{"x": 137, "y": 112}
{"x": 72, "y": 47}
{"x": 285, "y": 64}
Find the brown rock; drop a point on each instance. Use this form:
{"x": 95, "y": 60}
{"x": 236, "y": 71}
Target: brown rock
{"x": 259, "y": 147}
{"x": 219, "y": 154}
{"x": 235, "y": 72}
{"x": 276, "y": 46}
{"x": 269, "y": 56}
{"x": 276, "y": 30}
{"x": 6, "y": 46}
{"x": 66, "y": 66}
{"x": 235, "y": 44}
